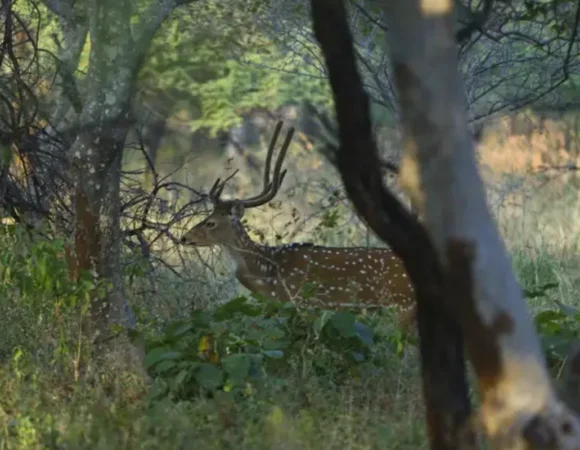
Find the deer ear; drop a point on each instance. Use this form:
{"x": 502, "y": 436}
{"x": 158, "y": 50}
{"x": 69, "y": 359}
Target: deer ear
{"x": 238, "y": 210}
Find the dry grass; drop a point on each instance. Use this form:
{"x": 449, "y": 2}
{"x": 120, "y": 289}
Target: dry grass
{"x": 535, "y": 201}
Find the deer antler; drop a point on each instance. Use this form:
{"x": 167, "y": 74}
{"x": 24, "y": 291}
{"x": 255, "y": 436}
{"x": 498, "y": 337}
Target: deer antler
{"x": 270, "y": 188}
{"x": 218, "y": 187}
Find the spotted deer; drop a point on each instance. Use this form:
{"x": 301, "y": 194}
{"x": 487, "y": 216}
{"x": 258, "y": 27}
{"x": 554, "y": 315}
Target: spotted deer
{"x": 333, "y": 277}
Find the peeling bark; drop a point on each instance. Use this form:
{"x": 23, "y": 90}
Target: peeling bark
{"x": 520, "y": 408}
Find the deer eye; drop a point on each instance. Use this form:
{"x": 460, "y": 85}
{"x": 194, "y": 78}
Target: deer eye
{"x": 210, "y": 224}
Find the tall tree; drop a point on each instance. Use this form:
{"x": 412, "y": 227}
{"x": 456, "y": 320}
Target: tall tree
{"x": 93, "y": 112}
{"x": 479, "y": 291}
{"x": 443, "y": 365}
{"x": 520, "y": 407}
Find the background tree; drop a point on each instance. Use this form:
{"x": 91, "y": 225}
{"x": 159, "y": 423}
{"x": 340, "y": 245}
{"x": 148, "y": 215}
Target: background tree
{"x": 511, "y": 56}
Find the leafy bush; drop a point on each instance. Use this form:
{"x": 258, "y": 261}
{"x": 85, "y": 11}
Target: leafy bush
{"x": 557, "y": 326}
{"x": 38, "y": 301}
{"x": 238, "y": 345}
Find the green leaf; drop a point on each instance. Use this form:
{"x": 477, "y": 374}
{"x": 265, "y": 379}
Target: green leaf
{"x": 343, "y": 322}
{"x": 364, "y": 333}
{"x": 237, "y": 366}
{"x": 209, "y": 376}
{"x": 261, "y": 297}
{"x": 218, "y": 328}
{"x": 540, "y": 291}
{"x": 549, "y": 315}
{"x": 158, "y": 390}
{"x": 321, "y": 321}
{"x": 165, "y": 365}
{"x": 179, "y": 329}
{"x": 278, "y": 344}
{"x": 160, "y": 354}
{"x": 238, "y": 305}
{"x": 154, "y": 356}
{"x": 274, "y": 354}
{"x": 181, "y": 377}
{"x": 309, "y": 290}
{"x": 201, "y": 318}
{"x": 274, "y": 332}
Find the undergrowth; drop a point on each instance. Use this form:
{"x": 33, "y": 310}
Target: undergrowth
{"x": 235, "y": 371}
{"x": 244, "y": 373}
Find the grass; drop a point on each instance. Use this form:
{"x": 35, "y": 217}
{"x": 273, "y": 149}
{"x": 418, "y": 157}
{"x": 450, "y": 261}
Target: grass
{"x": 308, "y": 418}
{"x": 43, "y": 407}
{"x": 39, "y": 410}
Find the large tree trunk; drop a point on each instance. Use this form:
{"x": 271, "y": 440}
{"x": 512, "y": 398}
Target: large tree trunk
{"x": 442, "y": 360}
{"x": 520, "y": 408}
{"x": 97, "y": 239}
{"x": 95, "y": 160}
{"x": 118, "y": 48}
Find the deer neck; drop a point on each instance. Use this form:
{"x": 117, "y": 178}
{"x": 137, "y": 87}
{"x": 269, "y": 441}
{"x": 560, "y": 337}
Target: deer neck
{"x": 248, "y": 256}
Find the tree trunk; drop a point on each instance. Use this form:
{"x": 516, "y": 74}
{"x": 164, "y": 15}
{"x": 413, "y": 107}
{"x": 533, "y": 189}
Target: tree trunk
{"x": 520, "y": 408}
{"x": 442, "y": 357}
{"x": 96, "y": 157}
{"x": 100, "y": 124}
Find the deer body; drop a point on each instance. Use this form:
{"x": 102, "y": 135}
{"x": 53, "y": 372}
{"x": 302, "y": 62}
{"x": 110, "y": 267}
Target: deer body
{"x": 332, "y": 277}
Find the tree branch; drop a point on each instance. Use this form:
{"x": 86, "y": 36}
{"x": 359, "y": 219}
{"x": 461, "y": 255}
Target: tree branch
{"x": 64, "y": 9}
{"x": 477, "y": 20}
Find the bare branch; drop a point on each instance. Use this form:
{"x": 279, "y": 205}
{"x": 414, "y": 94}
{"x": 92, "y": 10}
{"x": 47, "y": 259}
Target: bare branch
{"x": 476, "y": 23}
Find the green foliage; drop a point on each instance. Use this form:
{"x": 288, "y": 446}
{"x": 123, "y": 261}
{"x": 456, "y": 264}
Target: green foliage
{"x": 558, "y": 327}
{"x": 557, "y": 323}
{"x": 238, "y": 345}
{"x": 217, "y": 64}
{"x": 263, "y": 79}
{"x": 36, "y": 295}
{"x": 37, "y": 411}
{"x": 269, "y": 374}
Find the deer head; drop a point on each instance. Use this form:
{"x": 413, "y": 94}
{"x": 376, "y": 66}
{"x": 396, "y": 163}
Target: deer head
{"x": 223, "y": 226}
